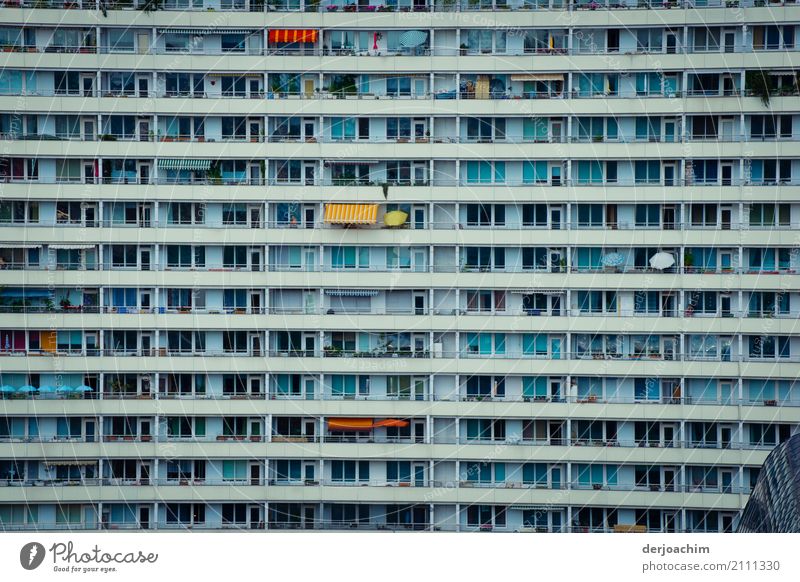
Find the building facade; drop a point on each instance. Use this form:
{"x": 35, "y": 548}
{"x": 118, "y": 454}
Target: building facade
{"x": 510, "y": 265}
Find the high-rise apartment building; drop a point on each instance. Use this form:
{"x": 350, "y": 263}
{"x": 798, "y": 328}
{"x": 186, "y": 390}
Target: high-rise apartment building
{"x": 510, "y": 265}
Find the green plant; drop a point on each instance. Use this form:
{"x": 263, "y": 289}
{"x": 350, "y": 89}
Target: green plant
{"x": 688, "y": 259}
{"x": 758, "y": 83}
{"x": 214, "y": 174}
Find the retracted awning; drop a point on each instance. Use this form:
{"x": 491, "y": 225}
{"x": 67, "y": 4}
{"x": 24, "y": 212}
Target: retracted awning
{"x": 70, "y": 463}
{"x": 72, "y": 247}
{"x": 538, "y": 77}
{"x": 207, "y": 31}
{"x": 351, "y": 292}
{"x": 351, "y": 213}
{"x": 542, "y": 508}
{"x": 195, "y": 165}
{"x": 293, "y": 35}
{"x": 540, "y": 291}
{"x": 18, "y": 246}
{"x": 23, "y": 292}
{"x": 363, "y": 423}
{"x": 352, "y": 162}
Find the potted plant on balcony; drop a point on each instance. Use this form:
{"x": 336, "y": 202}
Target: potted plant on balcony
{"x": 757, "y": 83}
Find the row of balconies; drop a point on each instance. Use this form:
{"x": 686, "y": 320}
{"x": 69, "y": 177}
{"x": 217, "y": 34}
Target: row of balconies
{"x": 402, "y": 387}
{"x": 417, "y": 483}
{"x": 424, "y": 84}
{"x": 775, "y": 260}
{"x": 570, "y": 516}
{"x": 401, "y": 6}
{"x": 392, "y": 344}
{"x": 392, "y": 42}
{"x": 419, "y": 216}
{"x": 701, "y": 172}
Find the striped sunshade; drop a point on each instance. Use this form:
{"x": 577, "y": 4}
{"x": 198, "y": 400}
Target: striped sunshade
{"x": 206, "y": 31}
{"x": 351, "y": 292}
{"x": 292, "y": 35}
{"x": 196, "y": 165}
{"x": 351, "y": 213}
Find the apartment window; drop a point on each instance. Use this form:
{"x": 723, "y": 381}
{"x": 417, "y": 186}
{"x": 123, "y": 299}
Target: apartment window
{"x": 647, "y": 172}
{"x": 124, "y": 256}
{"x": 773, "y": 37}
{"x": 767, "y": 346}
{"x": 349, "y": 386}
{"x": 486, "y": 516}
{"x": 535, "y": 172}
{"x": 771, "y": 126}
{"x": 186, "y": 513}
{"x": 770, "y": 215}
{"x": 485, "y": 300}
{"x": 596, "y": 128}
{"x": 597, "y": 301}
{"x": 120, "y": 40}
{"x": 398, "y": 127}
{"x": 398, "y": 86}
{"x": 588, "y": 171}
{"x": 486, "y": 386}
{"x": 232, "y": 43}
{"x": 534, "y": 258}
{"x": 485, "y": 343}
{"x": 234, "y": 257}
{"x": 770, "y": 171}
{"x": 486, "y": 172}
{"x": 590, "y": 215}
{"x": 19, "y": 211}
{"x": 350, "y": 257}
{"x": 349, "y": 471}
{"x": 485, "y": 429}
{"x": 186, "y": 426}
{"x": 706, "y": 39}
{"x": 591, "y": 84}
{"x": 649, "y": 39}
{"x": 486, "y": 214}
{"x": 185, "y": 341}
{"x": 235, "y": 513}
{"x": 704, "y": 214}
{"x": 234, "y": 342}
{"x": 484, "y": 258}
{"x": 647, "y": 215}
{"x": 66, "y": 83}
{"x": 182, "y": 213}
{"x": 343, "y": 128}
{"x": 534, "y": 215}
{"x": 185, "y": 256}
{"x": 288, "y": 470}
{"x": 764, "y": 259}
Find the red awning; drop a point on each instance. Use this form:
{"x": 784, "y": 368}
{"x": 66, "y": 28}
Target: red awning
{"x": 293, "y": 35}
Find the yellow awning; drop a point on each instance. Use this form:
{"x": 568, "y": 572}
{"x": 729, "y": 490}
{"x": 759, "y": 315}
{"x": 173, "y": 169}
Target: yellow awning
{"x": 351, "y": 213}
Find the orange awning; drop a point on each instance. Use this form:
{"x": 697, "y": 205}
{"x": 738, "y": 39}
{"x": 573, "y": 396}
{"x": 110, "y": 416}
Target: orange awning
{"x": 293, "y": 35}
{"x": 351, "y": 213}
{"x": 363, "y": 423}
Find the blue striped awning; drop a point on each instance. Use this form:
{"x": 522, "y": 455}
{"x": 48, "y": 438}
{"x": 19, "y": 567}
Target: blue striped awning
{"x": 196, "y": 165}
{"x": 25, "y": 292}
{"x": 351, "y": 292}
